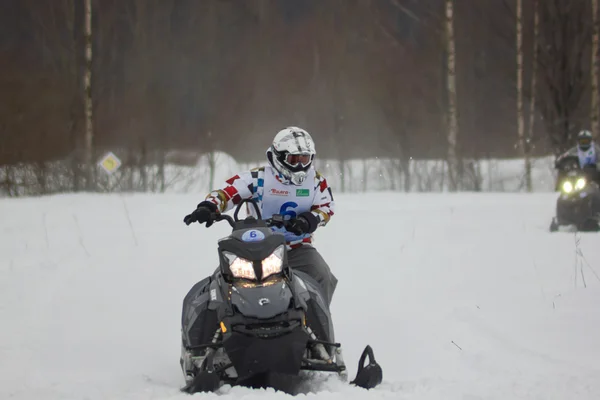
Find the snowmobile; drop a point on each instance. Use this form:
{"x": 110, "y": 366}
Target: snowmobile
{"x": 579, "y": 202}
{"x": 256, "y": 319}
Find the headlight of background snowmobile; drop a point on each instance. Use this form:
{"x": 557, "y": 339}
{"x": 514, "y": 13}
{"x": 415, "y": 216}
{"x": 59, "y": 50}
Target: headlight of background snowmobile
{"x": 272, "y": 264}
{"x": 567, "y": 187}
{"x": 580, "y": 183}
{"x": 240, "y": 267}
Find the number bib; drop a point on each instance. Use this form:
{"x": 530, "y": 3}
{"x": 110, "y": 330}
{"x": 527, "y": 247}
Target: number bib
{"x": 288, "y": 200}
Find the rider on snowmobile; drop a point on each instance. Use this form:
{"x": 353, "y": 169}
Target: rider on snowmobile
{"x": 290, "y": 186}
{"x": 587, "y": 152}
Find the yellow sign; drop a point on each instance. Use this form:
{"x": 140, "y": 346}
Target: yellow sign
{"x": 110, "y": 163}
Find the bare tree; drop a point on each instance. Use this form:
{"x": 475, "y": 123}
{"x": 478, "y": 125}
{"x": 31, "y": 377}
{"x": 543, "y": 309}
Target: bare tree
{"x": 595, "y": 71}
{"x": 54, "y": 28}
{"x": 565, "y": 36}
{"x": 145, "y": 94}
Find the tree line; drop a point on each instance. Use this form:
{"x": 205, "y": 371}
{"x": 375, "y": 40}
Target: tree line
{"x": 160, "y": 82}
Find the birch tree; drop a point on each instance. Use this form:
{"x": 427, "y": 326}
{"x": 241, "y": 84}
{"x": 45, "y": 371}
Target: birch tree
{"x": 534, "y": 72}
{"x": 520, "y": 114}
{"x": 87, "y": 87}
{"x": 452, "y": 97}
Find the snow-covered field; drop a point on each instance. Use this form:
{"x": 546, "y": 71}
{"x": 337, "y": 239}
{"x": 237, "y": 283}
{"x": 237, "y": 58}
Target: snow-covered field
{"x": 462, "y": 296}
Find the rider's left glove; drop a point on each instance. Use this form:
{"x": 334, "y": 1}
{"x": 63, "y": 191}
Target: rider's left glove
{"x": 303, "y": 224}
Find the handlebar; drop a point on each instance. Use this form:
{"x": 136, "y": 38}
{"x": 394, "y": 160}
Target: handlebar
{"x": 222, "y": 217}
{"x": 276, "y": 220}
{"x": 566, "y": 163}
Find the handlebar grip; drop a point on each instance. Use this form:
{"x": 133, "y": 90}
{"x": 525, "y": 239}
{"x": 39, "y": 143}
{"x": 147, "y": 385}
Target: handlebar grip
{"x": 223, "y": 217}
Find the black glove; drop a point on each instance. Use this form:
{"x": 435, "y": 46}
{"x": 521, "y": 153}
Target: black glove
{"x": 298, "y": 226}
{"x": 207, "y": 211}
{"x": 304, "y": 223}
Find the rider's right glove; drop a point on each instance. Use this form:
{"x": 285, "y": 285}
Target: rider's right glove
{"x": 206, "y": 212}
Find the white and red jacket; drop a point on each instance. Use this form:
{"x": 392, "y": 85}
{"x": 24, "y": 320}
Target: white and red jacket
{"x": 274, "y": 195}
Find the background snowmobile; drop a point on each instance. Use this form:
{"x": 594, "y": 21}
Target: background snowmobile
{"x": 579, "y": 202}
{"x": 255, "y": 318}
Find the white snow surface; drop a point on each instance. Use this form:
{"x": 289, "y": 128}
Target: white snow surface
{"x": 462, "y": 296}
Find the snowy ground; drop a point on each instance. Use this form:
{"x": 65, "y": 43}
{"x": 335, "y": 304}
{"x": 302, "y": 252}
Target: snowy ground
{"x": 462, "y": 297}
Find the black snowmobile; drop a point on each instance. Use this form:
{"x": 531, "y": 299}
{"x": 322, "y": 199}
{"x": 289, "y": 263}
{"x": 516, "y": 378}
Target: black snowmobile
{"x": 579, "y": 202}
{"x": 255, "y": 319}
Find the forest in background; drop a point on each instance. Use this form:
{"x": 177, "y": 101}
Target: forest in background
{"x": 161, "y": 82}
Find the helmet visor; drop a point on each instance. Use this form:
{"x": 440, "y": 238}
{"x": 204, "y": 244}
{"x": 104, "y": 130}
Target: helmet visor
{"x": 297, "y": 159}
{"x": 585, "y": 142}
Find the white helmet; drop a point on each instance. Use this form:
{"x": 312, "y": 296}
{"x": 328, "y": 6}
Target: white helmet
{"x": 292, "y": 154}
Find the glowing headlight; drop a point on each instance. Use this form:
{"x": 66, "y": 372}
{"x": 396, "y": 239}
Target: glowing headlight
{"x": 272, "y": 264}
{"x": 239, "y": 267}
{"x": 580, "y": 184}
{"x": 567, "y": 187}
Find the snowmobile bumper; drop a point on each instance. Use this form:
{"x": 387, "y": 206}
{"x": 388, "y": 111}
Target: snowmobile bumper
{"x": 579, "y": 211}
{"x": 256, "y": 351}
{"x": 573, "y": 210}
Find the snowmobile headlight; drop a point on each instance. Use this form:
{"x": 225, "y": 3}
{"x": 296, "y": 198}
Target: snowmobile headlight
{"x": 580, "y": 183}
{"x": 240, "y": 267}
{"x": 567, "y": 187}
{"x": 273, "y": 264}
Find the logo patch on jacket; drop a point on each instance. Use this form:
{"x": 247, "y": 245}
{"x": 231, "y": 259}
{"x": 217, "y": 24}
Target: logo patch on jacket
{"x": 277, "y": 192}
{"x": 302, "y": 192}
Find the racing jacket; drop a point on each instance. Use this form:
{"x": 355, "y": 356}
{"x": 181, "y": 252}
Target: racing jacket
{"x": 590, "y": 157}
{"x": 275, "y": 195}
